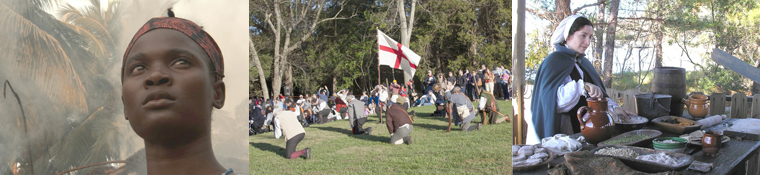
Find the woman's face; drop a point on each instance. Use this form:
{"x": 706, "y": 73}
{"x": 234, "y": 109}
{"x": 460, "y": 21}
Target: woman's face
{"x": 581, "y": 39}
{"x": 168, "y": 88}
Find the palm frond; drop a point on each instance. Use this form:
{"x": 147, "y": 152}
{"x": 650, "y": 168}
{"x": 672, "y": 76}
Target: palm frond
{"x": 31, "y": 53}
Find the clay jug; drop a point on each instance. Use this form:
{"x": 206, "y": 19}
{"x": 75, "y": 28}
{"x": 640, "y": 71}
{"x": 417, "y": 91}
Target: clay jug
{"x": 711, "y": 143}
{"x": 597, "y": 124}
{"x": 697, "y": 105}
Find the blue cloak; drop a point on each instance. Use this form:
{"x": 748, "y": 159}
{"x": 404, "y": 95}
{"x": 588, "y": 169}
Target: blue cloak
{"x": 552, "y": 71}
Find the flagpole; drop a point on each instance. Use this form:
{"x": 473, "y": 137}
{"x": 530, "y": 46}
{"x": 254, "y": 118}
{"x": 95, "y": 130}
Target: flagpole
{"x": 380, "y": 114}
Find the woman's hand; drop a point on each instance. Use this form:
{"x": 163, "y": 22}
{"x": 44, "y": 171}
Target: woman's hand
{"x": 593, "y": 90}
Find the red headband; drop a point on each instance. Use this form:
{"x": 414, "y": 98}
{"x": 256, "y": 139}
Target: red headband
{"x": 190, "y": 29}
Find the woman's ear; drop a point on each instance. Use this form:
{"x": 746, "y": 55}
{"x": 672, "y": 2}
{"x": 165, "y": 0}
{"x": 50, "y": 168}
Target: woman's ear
{"x": 220, "y": 93}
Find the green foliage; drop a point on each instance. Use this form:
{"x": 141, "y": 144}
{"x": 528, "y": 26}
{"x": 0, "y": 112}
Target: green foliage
{"x": 444, "y": 34}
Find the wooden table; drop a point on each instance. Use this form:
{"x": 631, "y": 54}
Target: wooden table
{"x": 731, "y": 159}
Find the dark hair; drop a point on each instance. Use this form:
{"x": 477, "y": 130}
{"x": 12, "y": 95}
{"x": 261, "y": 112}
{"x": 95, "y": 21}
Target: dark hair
{"x": 578, "y": 24}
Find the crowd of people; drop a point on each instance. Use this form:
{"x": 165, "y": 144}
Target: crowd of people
{"x": 472, "y": 83}
{"x": 453, "y": 97}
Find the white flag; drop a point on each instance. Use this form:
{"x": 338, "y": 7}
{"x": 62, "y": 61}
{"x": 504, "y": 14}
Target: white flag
{"x": 395, "y": 55}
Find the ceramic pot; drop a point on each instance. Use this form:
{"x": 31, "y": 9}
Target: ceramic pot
{"x": 711, "y": 143}
{"x": 597, "y": 124}
{"x": 697, "y": 105}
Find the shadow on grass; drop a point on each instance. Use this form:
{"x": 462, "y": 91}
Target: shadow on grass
{"x": 359, "y": 136}
{"x": 434, "y": 127}
{"x": 269, "y": 147}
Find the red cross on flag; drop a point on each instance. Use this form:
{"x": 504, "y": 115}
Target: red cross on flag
{"x": 395, "y": 55}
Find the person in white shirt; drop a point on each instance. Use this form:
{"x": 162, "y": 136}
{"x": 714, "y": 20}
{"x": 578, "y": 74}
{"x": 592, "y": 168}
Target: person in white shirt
{"x": 285, "y": 123}
{"x": 320, "y": 109}
{"x": 300, "y": 100}
{"x": 382, "y": 97}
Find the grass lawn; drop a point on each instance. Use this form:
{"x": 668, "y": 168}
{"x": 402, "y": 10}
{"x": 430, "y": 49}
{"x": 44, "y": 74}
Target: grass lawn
{"x": 336, "y": 151}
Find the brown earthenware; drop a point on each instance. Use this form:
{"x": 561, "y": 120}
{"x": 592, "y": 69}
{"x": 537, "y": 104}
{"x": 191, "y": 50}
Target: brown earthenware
{"x": 711, "y": 143}
{"x": 597, "y": 124}
{"x": 697, "y": 105}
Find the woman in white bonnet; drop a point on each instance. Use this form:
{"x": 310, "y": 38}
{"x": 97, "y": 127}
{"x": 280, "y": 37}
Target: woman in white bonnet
{"x": 564, "y": 80}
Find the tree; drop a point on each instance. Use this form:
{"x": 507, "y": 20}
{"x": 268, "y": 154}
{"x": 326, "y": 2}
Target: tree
{"x": 256, "y": 63}
{"x": 609, "y": 44}
{"x": 406, "y": 25}
{"x": 291, "y": 26}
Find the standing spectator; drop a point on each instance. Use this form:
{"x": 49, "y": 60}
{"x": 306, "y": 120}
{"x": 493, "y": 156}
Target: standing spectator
{"x": 399, "y": 124}
{"x": 462, "y": 81}
{"x": 383, "y": 100}
{"x": 429, "y": 81}
{"x": 441, "y": 84}
{"x": 489, "y": 77}
{"x": 471, "y": 84}
{"x": 356, "y": 116}
{"x": 410, "y": 89}
{"x": 286, "y": 124}
{"x": 505, "y": 77}
{"x": 452, "y": 79}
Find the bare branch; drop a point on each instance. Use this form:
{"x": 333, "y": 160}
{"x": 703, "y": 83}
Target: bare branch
{"x": 642, "y": 18}
{"x": 539, "y": 14}
{"x": 588, "y": 5}
{"x": 316, "y": 22}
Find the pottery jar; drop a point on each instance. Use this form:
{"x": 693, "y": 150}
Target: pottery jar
{"x": 711, "y": 143}
{"x": 597, "y": 124}
{"x": 697, "y": 105}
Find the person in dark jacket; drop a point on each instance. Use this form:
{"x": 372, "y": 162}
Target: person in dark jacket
{"x": 429, "y": 81}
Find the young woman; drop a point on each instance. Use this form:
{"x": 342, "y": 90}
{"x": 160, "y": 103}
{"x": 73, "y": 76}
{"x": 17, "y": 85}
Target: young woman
{"x": 171, "y": 80}
{"x": 564, "y": 80}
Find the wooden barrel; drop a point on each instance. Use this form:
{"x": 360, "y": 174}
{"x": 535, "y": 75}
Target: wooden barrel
{"x": 671, "y": 81}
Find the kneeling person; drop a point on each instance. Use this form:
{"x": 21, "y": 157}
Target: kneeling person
{"x": 287, "y": 124}
{"x": 399, "y": 124}
{"x": 356, "y": 115}
{"x": 463, "y": 108}
{"x": 488, "y": 110}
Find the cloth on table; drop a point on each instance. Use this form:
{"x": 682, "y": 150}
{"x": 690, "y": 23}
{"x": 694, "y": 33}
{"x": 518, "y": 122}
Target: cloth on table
{"x": 586, "y": 162}
{"x": 700, "y": 166}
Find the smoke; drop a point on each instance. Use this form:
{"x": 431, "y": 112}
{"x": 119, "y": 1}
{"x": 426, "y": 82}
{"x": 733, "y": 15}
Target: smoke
{"x": 48, "y": 120}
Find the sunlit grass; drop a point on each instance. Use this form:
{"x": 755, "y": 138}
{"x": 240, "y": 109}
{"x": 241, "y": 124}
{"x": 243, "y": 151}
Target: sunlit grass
{"x": 336, "y": 151}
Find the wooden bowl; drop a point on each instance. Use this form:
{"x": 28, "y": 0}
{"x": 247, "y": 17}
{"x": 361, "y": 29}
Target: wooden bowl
{"x": 676, "y": 128}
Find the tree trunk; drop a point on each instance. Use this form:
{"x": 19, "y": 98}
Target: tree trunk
{"x": 599, "y": 32}
{"x": 658, "y": 46}
{"x": 658, "y": 36}
{"x": 257, "y": 63}
{"x": 562, "y": 10}
{"x": 289, "y": 78}
{"x": 406, "y": 28}
{"x": 282, "y": 49}
{"x": 609, "y": 45}
{"x": 334, "y": 86}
